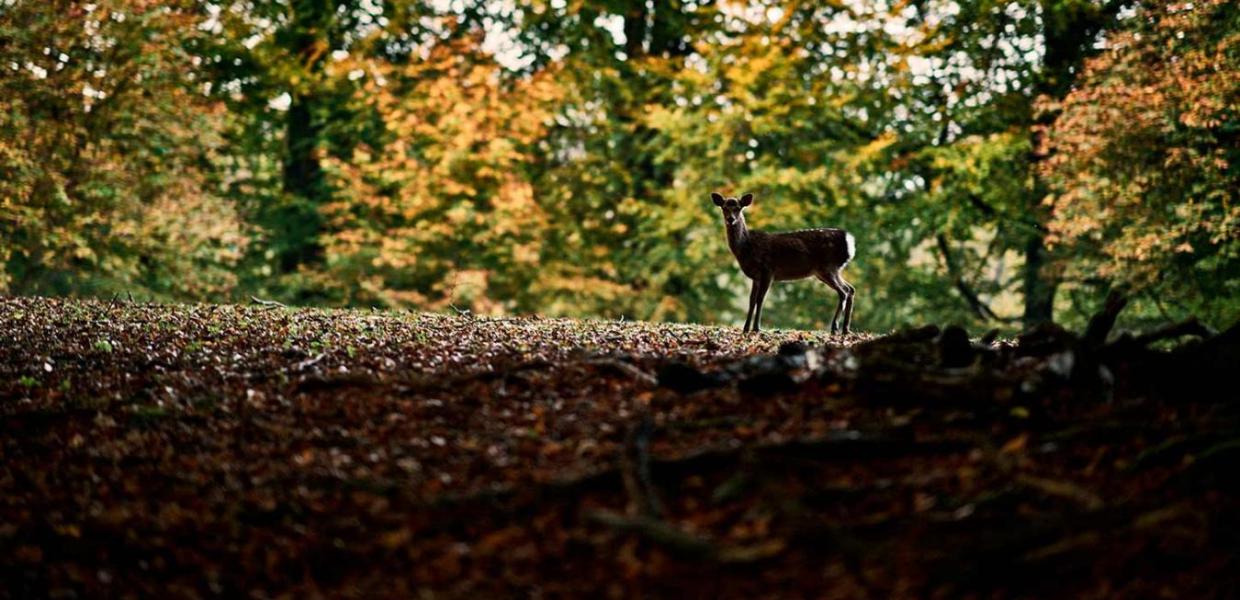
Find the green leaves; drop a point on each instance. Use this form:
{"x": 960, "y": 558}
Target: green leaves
{"x": 106, "y": 149}
{"x": 555, "y": 157}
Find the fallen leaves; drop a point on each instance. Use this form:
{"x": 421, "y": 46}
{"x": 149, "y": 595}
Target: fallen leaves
{"x": 264, "y": 451}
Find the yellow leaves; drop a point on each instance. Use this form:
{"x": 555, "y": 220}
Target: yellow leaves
{"x": 455, "y": 187}
{"x": 527, "y": 254}
{"x": 875, "y": 148}
{"x": 84, "y": 253}
{"x": 131, "y": 199}
{"x": 448, "y": 176}
{"x": 746, "y": 73}
{"x": 516, "y": 212}
{"x": 393, "y": 253}
{"x": 1015, "y": 445}
{"x": 583, "y": 287}
{"x": 669, "y": 308}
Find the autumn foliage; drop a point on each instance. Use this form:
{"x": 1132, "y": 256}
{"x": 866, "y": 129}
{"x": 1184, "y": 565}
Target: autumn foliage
{"x": 1001, "y": 164}
{"x": 398, "y": 298}
{"x": 108, "y": 152}
{"x": 1144, "y": 155}
{"x": 441, "y": 208}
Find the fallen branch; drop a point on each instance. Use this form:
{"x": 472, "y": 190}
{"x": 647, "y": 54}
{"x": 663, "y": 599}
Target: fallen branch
{"x": 624, "y": 369}
{"x": 684, "y": 544}
{"x": 635, "y": 470}
{"x": 1062, "y": 489}
{"x": 310, "y": 362}
{"x": 262, "y": 302}
{"x": 1188, "y": 327}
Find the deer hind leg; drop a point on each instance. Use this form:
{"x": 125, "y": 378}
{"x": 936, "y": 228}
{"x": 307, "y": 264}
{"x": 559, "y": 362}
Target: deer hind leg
{"x": 849, "y": 290}
{"x": 831, "y": 278}
{"x": 761, "y": 285}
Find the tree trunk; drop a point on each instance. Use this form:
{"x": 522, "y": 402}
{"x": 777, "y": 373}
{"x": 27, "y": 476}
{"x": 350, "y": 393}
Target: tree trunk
{"x": 1068, "y": 34}
{"x": 299, "y": 222}
{"x": 1039, "y": 288}
{"x": 635, "y": 29}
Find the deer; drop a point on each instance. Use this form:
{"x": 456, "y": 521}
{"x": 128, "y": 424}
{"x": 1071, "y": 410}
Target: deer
{"x": 787, "y": 255}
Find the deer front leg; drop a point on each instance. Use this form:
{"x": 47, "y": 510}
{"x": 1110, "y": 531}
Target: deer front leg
{"x": 761, "y": 285}
{"x": 753, "y": 294}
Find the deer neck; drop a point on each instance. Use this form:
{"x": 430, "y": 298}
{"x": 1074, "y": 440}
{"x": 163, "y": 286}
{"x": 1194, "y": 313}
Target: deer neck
{"x": 738, "y": 236}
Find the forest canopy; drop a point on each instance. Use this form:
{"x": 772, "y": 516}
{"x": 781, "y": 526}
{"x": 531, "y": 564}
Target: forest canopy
{"x": 1001, "y": 163}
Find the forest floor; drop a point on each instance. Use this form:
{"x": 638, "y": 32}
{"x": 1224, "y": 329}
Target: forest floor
{"x": 199, "y": 451}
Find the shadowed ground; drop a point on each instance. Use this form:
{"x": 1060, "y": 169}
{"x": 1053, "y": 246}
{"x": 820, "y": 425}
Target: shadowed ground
{"x": 264, "y": 451}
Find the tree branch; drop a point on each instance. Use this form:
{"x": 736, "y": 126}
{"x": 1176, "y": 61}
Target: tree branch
{"x": 979, "y": 307}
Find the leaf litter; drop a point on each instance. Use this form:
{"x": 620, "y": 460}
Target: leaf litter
{"x": 266, "y": 451}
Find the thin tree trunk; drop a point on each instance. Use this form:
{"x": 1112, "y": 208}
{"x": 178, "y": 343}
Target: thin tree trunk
{"x": 304, "y": 184}
{"x": 1068, "y": 34}
{"x": 1039, "y": 288}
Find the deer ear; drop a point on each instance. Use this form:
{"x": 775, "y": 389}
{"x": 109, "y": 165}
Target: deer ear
{"x": 717, "y": 198}
{"x": 747, "y": 199}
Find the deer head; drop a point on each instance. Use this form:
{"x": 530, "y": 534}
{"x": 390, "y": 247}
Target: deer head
{"x": 732, "y": 207}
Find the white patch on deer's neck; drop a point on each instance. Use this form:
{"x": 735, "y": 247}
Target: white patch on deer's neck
{"x": 738, "y": 233}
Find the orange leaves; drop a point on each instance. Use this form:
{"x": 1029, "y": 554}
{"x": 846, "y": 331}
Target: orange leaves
{"x": 445, "y": 193}
{"x": 1139, "y": 154}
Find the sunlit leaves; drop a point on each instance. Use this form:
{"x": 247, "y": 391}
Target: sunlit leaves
{"x": 1143, "y": 158}
{"x": 106, "y": 150}
{"x": 443, "y": 194}
{"x": 555, "y": 157}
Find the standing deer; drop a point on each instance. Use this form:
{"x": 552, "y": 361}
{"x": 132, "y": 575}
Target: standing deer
{"x": 766, "y": 257}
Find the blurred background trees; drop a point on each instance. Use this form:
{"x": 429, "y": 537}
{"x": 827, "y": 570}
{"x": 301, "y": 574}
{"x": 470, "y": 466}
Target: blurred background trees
{"x": 1142, "y": 162}
{"x": 109, "y": 154}
{"x": 1002, "y": 163}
